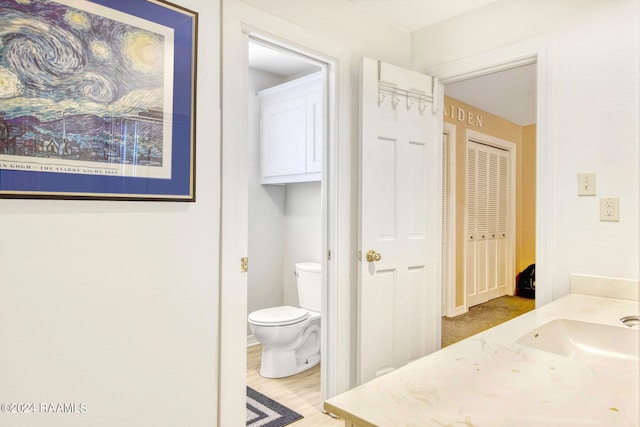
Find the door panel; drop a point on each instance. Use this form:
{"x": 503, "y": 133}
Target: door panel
{"x": 487, "y": 258}
{"x": 382, "y": 154}
{"x": 417, "y": 190}
{"x": 417, "y": 299}
{"x": 381, "y": 316}
{"x": 399, "y": 293}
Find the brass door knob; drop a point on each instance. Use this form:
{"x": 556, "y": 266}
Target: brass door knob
{"x": 373, "y": 256}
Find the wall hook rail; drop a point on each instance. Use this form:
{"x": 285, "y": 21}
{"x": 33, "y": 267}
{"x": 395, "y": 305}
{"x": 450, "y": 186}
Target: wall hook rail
{"x": 410, "y": 103}
{"x": 411, "y": 97}
{"x": 395, "y": 101}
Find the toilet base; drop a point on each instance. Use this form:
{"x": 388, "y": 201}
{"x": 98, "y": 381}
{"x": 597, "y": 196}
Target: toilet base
{"x": 278, "y": 362}
{"x": 289, "y": 349}
{"x": 284, "y": 364}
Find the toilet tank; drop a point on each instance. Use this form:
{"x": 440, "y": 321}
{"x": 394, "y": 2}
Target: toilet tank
{"x": 309, "y": 286}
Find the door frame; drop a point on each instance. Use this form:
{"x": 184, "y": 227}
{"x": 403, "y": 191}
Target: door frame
{"x": 511, "y": 148}
{"x": 239, "y": 22}
{"x": 539, "y": 52}
{"x": 449, "y": 272}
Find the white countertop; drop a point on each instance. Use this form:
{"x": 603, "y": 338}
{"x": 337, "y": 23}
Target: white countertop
{"x": 490, "y": 381}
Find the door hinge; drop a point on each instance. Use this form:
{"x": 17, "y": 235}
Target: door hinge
{"x": 329, "y": 254}
{"x": 244, "y": 264}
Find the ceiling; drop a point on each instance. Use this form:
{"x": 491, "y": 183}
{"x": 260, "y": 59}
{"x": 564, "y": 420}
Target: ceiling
{"x": 278, "y": 62}
{"x": 412, "y": 15}
{"x": 509, "y": 94}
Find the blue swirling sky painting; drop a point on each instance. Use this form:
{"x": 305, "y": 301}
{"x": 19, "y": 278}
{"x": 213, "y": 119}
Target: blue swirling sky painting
{"x": 79, "y": 85}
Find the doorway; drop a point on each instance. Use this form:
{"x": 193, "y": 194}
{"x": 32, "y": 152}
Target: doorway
{"x": 240, "y": 23}
{"x": 286, "y": 140}
{"x": 471, "y": 102}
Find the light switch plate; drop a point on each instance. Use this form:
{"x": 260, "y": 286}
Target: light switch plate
{"x": 610, "y": 209}
{"x": 586, "y": 184}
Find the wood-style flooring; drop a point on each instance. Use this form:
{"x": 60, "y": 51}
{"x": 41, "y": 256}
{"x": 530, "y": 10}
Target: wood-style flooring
{"x": 300, "y": 392}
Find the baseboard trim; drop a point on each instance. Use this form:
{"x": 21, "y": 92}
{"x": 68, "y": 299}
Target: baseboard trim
{"x": 251, "y": 341}
{"x": 462, "y": 309}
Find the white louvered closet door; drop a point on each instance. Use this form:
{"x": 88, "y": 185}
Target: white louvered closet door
{"x": 487, "y": 223}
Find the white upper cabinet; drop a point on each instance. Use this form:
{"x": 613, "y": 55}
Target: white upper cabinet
{"x": 291, "y": 131}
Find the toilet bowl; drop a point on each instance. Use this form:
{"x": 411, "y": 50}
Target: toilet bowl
{"x": 290, "y": 336}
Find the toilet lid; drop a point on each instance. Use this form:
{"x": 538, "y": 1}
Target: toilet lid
{"x": 278, "y": 316}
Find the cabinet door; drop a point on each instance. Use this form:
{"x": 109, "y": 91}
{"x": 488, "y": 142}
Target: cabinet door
{"x": 314, "y": 132}
{"x": 283, "y": 137}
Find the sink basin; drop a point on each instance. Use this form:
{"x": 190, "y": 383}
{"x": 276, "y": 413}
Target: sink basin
{"x": 599, "y": 346}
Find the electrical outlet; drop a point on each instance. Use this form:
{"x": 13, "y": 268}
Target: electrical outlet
{"x": 610, "y": 209}
{"x": 586, "y": 184}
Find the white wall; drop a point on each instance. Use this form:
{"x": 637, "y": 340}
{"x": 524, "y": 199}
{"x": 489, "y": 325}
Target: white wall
{"x": 266, "y": 213}
{"x": 345, "y": 23}
{"x": 595, "y": 121}
{"x": 302, "y": 233}
{"x": 597, "y": 130}
{"x": 115, "y": 304}
{"x": 500, "y": 24}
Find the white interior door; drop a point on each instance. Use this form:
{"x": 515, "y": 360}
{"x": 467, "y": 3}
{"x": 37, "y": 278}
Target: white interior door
{"x": 399, "y": 280}
{"x": 487, "y": 250}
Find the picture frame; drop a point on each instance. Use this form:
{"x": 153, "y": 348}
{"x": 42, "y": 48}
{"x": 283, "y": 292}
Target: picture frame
{"x": 97, "y": 100}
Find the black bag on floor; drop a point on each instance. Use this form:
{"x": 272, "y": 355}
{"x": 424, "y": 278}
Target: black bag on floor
{"x": 526, "y": 282}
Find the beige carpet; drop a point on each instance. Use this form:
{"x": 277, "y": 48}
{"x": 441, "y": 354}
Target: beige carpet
{"x": 482, "y": 317}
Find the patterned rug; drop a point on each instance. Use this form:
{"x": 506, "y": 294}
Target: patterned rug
{"x": 264, "y": 412}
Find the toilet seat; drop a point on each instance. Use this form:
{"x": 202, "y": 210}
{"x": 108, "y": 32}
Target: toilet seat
{"x": 278, "y": 316}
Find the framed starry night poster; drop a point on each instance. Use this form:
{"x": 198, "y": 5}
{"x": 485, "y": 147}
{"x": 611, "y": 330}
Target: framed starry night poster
{"x": 97, "y": 99}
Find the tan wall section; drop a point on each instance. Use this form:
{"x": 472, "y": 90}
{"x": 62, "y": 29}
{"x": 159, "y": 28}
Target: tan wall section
{"x": 526, "y": 209}
{"x": 465, "y": 116}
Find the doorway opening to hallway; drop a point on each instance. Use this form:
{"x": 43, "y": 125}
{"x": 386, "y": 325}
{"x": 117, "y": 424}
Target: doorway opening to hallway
{"x": 479, "y": 262}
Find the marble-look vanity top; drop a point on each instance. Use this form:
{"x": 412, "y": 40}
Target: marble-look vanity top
{"x": 490, "y": 380}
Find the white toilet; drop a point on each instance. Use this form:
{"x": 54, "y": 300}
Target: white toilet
{"x": 290, "y": 336}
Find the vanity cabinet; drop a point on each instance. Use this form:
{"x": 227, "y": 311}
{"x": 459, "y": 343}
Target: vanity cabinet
{"x": 291, "y": 131}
